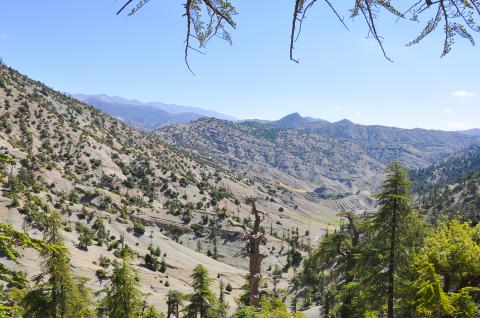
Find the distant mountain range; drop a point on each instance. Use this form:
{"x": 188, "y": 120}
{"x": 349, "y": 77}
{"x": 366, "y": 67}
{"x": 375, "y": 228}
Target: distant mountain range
{"x": 312, "y": 153}
{"x": 349, "y": 130}
{"x": 150, "y": 116}
{"x": 147, "y": 116}
{"x": 345, "y": 129}
{"x": 471, "y": 132}
{"x": 295, "y": 120}
{"x": 185, "y": 184}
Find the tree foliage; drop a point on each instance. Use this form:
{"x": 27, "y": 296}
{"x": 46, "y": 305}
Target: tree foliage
{"x": 10, "y": 241}
{"x": 447, "y": 272}
{"x": 202, "y": 301}
{"x": 392, "y": 224}
{"x": 206, "y": 19}
{"x": 57, "y": 292}
{"x": 362, "y": 269}
{"x": 174, "y": 302}
{"x": 271, "y": 307}
{"x": 123, "y": 298}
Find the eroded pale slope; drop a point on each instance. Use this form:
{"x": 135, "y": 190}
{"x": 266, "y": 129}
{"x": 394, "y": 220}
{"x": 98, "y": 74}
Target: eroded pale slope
{"x": 94, "y": 169}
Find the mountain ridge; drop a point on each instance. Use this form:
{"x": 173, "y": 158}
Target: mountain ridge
{"x": 116, "y": 185}
{"x": 182, "y": 189}
{"x": 451, "y": 185}
{"x": 147, "y": 116}
{"x": 296, "y": 120}
{"x": 332, "y": 156}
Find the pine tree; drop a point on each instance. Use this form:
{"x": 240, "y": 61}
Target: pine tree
{"x": 271, "y": 307}
{"x": 221, "y": 296}
{"x": 363, "y": 269}
{"x": 215, "y": 249}
{"x": 57, "y": 293}
{"x": 152, "y": 312}
{"x": 202, "y": 300}
{"x": 347, "y": 249}
{"x": 174, "y": 302}
{"x": 391, "y": 225}
{"x": 123, "y": 298}
{"x": 10, "y": 241}
{"x": 163, "y": 265}
{"x": 276, "y": 276}
{"x": 222, "y": 307}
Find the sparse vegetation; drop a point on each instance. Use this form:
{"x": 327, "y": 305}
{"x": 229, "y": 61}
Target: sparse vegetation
{"x": 81, "y": 178}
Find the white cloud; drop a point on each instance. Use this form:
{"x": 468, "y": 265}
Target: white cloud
{"x": 458, "y": 126}
{"x": 463, "y": 93}
{"x": 448, "y": 111}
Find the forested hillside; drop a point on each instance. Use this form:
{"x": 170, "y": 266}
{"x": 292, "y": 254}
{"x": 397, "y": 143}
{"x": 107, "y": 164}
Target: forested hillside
{"x": 451, "y": 185}
{"x": 241, "y": 220}
{"x": 113, "y": 189}
{"x": 397, "y": 262}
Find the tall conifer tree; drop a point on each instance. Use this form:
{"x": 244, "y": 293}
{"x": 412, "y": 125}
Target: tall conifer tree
{"x": 202, "y": 300}
{"x": 57, "y": 293}
{"x": 123, "y": 297}
{"x": 391, "y": 226}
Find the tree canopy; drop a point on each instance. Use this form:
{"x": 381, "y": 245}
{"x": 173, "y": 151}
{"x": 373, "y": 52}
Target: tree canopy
{"x": 10, "y": 241}
{"x": 123, "y": 297}
{"x": 206, "y": 19}
{"x": 451, "y": 252}
{"x": 202, "y": 300}
{"x": 57, "y": 292}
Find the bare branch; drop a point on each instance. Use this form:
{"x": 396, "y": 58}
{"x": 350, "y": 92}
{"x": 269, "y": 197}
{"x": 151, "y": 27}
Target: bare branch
{"x": 220, "y": 14}
{"x": 124, "y": 6}
{"x": 189, "y": 26}
{"x": 459, "y": 17}
{"x": 242, "y": 226}
{"x": 370, "y": 19}
{"x": 298, "y": 22}
{"x": 336, "y": 13}
{"x": 296, "y": 12}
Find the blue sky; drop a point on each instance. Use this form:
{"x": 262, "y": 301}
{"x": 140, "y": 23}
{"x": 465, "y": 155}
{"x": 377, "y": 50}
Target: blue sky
{"x": 82, "y": 47}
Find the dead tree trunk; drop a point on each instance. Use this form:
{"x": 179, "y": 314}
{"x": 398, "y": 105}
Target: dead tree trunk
{"x": 255, "y": 238}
